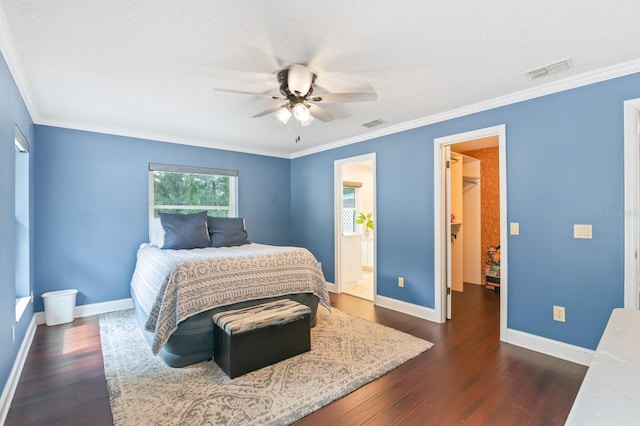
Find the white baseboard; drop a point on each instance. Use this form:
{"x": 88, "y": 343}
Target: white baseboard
{"x": 93, "y": 309}
{"x": 561, "y": 350}
{"x": 331, "y": 287}
{"x": 396, "y": 305}
{"x": 405, "y": 308}
{"x": 12, "y": 382}
{"x": 546, "y": 346}
{"x": 553, "y": 348}
{"x": 37, "y": 319}
{"x": 550, "y": 347}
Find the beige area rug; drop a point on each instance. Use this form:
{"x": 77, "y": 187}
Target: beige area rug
{"x": 346, "y": 353}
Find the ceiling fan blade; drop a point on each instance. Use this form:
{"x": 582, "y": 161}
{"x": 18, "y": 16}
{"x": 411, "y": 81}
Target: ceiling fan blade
{"x": 320, "y": 113}
{"x": 330, "y": 98}
{"x": 240, "y": 92}
{"x": 269, "y": 110}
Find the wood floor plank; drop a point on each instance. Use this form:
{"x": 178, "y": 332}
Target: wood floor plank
{"x": 468, "y": 376}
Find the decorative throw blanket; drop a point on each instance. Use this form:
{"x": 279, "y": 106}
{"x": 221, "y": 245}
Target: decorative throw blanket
{"x": 173, "y": 285}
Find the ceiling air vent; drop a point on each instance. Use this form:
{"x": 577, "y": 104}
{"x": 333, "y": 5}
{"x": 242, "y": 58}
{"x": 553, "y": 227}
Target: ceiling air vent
{"x": 549, "y": 69}
{"x": 373, "y": 123}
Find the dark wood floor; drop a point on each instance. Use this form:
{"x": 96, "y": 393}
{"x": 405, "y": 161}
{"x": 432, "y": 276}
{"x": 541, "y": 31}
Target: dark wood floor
{"x": 468, "y": 376}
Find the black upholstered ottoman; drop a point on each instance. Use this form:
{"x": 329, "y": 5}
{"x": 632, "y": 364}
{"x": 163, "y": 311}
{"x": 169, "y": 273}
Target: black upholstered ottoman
{"x": 250, "y": 338}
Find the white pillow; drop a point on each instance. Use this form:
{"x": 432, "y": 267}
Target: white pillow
{"x": 156, "y": 233}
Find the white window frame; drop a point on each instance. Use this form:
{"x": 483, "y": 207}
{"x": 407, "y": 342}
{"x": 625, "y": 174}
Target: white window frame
{"x": 23, "y": 242}
{"x": 233, "y": 188}
{"x": 357, "y": 228}
{"x": 353, "y": 210}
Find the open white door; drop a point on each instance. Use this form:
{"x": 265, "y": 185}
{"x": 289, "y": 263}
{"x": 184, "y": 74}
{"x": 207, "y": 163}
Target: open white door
{"x": 631, "y": 203}
{"x": 447, "y": 217}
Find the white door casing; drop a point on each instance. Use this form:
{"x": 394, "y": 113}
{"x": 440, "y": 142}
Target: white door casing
{"x": 440, "y": 228}
{"x": 337, "y": 177}
{"x": 631, "y": 202}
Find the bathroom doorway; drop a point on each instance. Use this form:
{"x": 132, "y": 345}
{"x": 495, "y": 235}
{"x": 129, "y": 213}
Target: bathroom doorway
{"x": 355, "y": 223}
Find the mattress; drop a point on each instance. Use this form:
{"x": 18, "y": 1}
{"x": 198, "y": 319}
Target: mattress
{"x": 176, "y": 291}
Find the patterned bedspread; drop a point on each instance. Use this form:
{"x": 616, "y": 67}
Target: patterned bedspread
{"x": 173, "y": 285}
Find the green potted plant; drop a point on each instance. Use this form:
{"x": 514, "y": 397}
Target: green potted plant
{"x": 367, "y": 221}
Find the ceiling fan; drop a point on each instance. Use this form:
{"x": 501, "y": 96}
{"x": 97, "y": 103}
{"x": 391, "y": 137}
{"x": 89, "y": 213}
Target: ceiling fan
{"x": 297, "y": 83}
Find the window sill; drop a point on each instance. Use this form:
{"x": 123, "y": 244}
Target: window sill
{"x": 21, "y": 306}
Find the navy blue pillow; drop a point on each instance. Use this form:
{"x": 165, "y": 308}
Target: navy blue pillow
{"x": 227, "y": 231}
{"x": 185, "y": 231}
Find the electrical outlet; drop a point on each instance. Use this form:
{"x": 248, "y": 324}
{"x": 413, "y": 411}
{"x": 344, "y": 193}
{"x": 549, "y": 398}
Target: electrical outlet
{"x": 558, "y": 313}
{"x": 515, "y": 228}
{"x": 400, "y": 282}
{"x": 31, "y": 297}
{"x": 13, "y": 334}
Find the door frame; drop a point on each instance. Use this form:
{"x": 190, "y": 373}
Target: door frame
{"x": 631, "y": 202}
{"x": 440, "y": 239}
{"x": 337, "y": 218}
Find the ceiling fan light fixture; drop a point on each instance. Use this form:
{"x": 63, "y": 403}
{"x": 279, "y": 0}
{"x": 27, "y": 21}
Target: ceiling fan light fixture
{"x": 296, "y": 85}
{"x": 300, "y": 79}
{"x": 307, "y": 122}
{"x": 283, "y": 114}
{"x": 301, "y": 112}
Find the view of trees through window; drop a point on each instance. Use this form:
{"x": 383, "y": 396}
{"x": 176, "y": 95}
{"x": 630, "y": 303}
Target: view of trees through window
{"x": 189, "y": 192}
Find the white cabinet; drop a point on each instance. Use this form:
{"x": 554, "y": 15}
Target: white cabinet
{"x": 367, "y": 252}
{"x": 350, "y": 268}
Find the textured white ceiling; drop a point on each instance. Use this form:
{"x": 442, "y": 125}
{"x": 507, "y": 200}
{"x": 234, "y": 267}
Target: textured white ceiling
{"x": 148, "y": 68}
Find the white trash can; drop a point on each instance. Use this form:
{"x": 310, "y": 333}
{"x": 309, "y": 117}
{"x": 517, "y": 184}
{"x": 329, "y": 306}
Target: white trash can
{"x": 59, "y": 306}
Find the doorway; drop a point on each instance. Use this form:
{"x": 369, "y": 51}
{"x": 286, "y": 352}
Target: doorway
{"x": 443, "y": 229}
{"x": 631, "y": 203}
{"x": 355, "y": 226}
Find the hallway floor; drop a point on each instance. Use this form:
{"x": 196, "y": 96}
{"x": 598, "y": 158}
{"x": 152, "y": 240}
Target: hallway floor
{"x": 363, "y": 288}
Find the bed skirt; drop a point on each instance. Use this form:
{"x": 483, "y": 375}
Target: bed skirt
{"x": 193, "y": 340}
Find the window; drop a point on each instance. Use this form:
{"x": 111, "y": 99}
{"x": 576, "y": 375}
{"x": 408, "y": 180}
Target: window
{"x": 350, "y": 204}
{"x": 22, "y": 195}
{"x": 180, "y": 189}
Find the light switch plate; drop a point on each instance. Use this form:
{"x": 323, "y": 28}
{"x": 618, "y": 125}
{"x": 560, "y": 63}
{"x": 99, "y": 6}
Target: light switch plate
{"x": 582, "y": 231}
{"x": 515, "y": 228}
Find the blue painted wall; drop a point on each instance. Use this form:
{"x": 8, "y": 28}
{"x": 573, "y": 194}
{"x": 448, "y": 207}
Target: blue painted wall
{"x": 564, "y": 166}
{"x": 12, "y": 112}
{"x": 92, "y": 205}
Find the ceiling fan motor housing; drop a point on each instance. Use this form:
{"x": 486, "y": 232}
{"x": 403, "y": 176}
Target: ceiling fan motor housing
{"x": 296, "y": 83}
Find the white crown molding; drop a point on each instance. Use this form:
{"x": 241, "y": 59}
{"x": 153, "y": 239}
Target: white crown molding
{"x": 14, "y": 64}
{"x": 524, "y": 95}
{"x": 15, "y": 67}
{"x": 157, "y": 137}
{"x": 17, "y": 72}
{"x": 584, "y": 79}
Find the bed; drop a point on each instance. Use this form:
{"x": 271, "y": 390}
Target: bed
{"x": 176, "y": 291}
